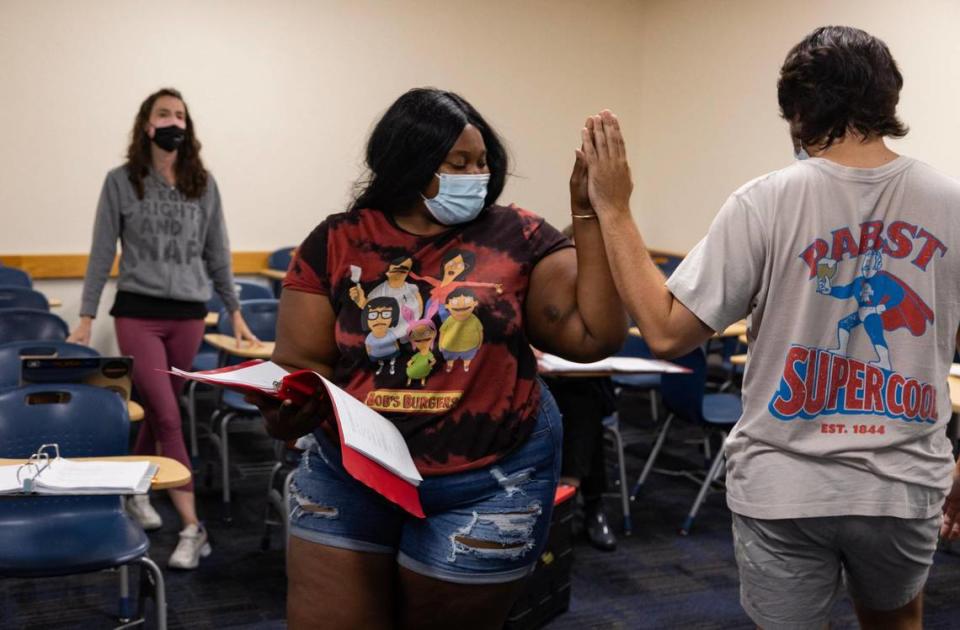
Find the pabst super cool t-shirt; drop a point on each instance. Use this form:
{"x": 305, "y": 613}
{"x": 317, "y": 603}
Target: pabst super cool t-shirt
{"x": 851, "y": 278}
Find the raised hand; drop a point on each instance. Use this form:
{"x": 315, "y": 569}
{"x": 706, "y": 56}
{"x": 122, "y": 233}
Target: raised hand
{"x": 579, "y": 195}
{"x": 609, "y": 183}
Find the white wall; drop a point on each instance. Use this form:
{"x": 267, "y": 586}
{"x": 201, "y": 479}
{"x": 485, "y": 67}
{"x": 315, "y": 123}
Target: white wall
{"x": 708, "y": 99}
{"x": 283, "y": 93}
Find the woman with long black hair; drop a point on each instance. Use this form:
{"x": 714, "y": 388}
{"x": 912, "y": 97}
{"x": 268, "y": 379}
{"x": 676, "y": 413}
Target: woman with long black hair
{"x": 483, "y": 431}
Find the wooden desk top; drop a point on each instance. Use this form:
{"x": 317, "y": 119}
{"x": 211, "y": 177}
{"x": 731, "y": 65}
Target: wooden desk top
{"x": 273, "y": 274}
{"x": 55, "y": 302}
{"x": 170, "y": 472}
{"x": 211, "y": 319}
{"x": 135, "y": 411}
{"x": 738, "y": 359}
{"x": 228, "y": 344}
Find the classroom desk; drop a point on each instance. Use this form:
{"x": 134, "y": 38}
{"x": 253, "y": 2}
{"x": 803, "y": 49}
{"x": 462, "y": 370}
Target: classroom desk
{"x": 738, "y": 359}
{"x": 273, "y": 274}
{"x": 212, "y": 319}
{"x": 624, "y": 496}
{"x": 226, "y": 343}
{"x": 170, "y": 472}
{"x": 735, "y": 329}
{"x": 135, "y": 411}
{"x": 55, "y": 302}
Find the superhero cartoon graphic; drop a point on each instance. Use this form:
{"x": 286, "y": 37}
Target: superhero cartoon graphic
{"x": 884, "y": 303}
{"x": 380, "y": 318}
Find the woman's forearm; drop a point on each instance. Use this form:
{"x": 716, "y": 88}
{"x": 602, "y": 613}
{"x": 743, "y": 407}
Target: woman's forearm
{"x": 598, "y": 301}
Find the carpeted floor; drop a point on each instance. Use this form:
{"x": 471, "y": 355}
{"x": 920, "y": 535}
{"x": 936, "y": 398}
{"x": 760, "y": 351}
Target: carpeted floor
{"x": 655, "y": 579}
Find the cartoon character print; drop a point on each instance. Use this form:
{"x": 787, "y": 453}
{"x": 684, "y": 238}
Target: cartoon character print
{"x": 884, "y": 302}
{"x": 394, "y": 286}
{"x": 461, "y": 334}
{"x": 455, "y": 266}
{"x": 380, "y": 318}
{"x": 422, "y": 334}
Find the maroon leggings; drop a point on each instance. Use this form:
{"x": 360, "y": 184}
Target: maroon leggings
{"x": 157, "y": 344}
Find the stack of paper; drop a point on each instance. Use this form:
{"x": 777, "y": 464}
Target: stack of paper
{"x": 65, "y": 476}
{"x": 613, "y": 365}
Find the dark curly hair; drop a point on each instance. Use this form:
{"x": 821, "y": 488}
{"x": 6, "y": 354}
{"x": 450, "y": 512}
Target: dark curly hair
{"x": 840, "y": 79}
{"x": 191, "y": 175}
{"x": 412, "y": 139}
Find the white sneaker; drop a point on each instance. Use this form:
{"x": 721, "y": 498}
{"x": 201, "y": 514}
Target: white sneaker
{"x": 193, "y": 545}
{"x": 138, "y": 506}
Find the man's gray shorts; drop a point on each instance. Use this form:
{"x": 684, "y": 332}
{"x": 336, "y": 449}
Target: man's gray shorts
{"x": 792, "y": 571}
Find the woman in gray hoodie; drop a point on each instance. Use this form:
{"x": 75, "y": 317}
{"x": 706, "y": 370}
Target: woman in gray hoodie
{"x": 165, "y": 209}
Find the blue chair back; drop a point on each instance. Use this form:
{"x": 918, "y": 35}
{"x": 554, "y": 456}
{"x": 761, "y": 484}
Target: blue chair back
{"x": 11, "y": 354}
{"x": 260, "y": 315}
{"x": 21, "y": 297}
{"x": 682, "y": 394}
{"x": 245, "y": 291}
{"x": 667, "y": 263}
{"x": 635, "y": 347}
{"x": 85, "y": 421}
{"x": 28, "y": 324}
{"x": 280, "y": 259}
{"x": 11, "y": 276}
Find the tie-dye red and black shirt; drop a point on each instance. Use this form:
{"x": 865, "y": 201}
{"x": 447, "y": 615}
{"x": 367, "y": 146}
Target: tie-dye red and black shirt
{"x": 431, "y": 328}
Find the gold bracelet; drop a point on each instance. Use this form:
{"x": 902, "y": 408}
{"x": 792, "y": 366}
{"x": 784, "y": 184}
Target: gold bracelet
{"x": 584, "y": 216}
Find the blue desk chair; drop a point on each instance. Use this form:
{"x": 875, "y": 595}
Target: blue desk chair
{"x": 21, "y": 297}
{"x": 11, "y": 276}
{"x": 279, "y": 260}
{"x": 261, "y": 317}
{"x": 28, "y": 324}
{"x": 666, "y": 261}
{"x": 208, "y": 356}
{"x": 48, "y": 536}
{"x": 685, "y": 398}
{"x": 11, "y": 354}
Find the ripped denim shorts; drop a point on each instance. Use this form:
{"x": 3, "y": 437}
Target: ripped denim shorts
{"x": 483, "y": 526}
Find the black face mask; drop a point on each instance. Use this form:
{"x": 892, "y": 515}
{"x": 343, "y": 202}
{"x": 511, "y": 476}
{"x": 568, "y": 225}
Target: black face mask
{"x": 169, "y": 138}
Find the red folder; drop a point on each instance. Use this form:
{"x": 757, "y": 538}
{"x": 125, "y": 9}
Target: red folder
{"x": 299, "y": 386}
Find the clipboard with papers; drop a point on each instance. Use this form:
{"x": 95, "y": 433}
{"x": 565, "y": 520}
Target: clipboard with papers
{"x": 373, "y": 449}
{"x": 45, "y": 472}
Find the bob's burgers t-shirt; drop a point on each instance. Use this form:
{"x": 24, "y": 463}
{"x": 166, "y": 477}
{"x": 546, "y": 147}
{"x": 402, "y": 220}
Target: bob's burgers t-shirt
{"x": 431, "y": 328}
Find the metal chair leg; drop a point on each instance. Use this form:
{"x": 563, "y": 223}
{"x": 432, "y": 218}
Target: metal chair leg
{"x": 648, "y": 466}
{"x": 225, "y": 458}
{"x": 192, "y": 417}
{"x": 125, "y": 608}
{"x": 712, "y": 475}
{"x": 614, "y": 430}
{"x": 159, "y": 591}
{"x": 654, "y": 406}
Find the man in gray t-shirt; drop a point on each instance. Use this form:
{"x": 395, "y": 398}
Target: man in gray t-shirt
{"x": 847, "y": 265}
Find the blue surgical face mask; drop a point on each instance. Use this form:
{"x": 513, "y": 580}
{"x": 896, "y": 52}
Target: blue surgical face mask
{"x": 460, "y": 198}
{"x": 801, "y": 154}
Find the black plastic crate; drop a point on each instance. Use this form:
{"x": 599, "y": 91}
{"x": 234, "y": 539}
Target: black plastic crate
{"x": 547, "y": 591}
